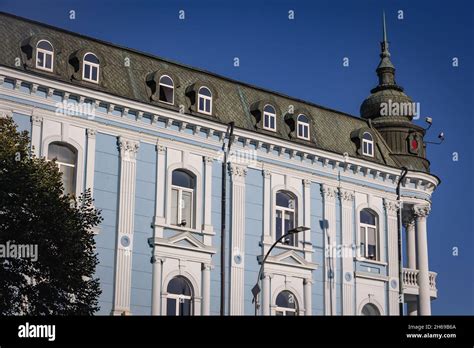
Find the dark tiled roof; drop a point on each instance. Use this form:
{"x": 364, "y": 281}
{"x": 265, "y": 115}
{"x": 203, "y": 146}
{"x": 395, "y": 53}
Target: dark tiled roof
{"x": 330, "y": 130}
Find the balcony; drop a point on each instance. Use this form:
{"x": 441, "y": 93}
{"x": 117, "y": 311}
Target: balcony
{"x": 410, "y": 282}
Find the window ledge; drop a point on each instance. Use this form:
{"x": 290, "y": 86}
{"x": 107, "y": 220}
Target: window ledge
{"x": 361, "y": 259}
{"x": 185, "y": 229}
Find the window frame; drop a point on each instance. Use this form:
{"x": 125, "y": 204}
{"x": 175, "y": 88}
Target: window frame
{"x": 44, "y": 52}
{"x": 61, "y": 163}
{"x": 179, "y": 297}
{"x": 304, "y": 125}
{"x": 367, "y": 142}
{"x": 205, "y": 98}
{"x": 294, "y": 240}
{"x": 365, "y": 227}
{"x": 180, "y": 190}
{"x": 168, "y": 86}
{"x": 92, "y": 66}
{"x": 285, "y": 310}
{"x": 270, "y": 115}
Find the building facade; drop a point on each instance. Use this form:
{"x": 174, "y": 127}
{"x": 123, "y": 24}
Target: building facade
{"x": 191, "y": 205}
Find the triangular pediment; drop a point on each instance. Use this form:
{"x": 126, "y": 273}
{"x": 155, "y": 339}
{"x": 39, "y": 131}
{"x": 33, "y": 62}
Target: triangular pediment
{"x": 187, "y": 240}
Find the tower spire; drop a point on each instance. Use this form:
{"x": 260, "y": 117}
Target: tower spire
{"x": 385, "y": 70}
{"x": 384, "y": 42}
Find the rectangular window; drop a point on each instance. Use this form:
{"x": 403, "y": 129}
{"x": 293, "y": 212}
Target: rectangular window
{"x": 166, "y": 94}
{"x": 174, "y": 206}
{"x": 371, "y": 244}
{"x": 186, "y": 207}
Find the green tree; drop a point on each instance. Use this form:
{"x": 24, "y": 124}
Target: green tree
{"x": 34, "y": 211}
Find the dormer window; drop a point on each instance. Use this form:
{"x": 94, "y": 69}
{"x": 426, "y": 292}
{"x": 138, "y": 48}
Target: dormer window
{"x": 44, "y": 55}
{"x": 302, "y": 128}
{"x": 269, "y": 118}
{"x": 367, "y": 144}
{"x": 205, "y": 101}
{"x": 166, "y": 93}
{"x": 90, "y": 68}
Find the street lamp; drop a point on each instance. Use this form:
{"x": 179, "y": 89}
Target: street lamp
{"x": 256, "y": 289}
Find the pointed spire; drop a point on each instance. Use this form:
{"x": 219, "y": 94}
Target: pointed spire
{"x": 384, "y": 42}
{"x": 385, "y": 70}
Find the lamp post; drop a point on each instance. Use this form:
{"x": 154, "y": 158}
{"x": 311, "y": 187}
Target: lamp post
{"x": 256, "y": 289}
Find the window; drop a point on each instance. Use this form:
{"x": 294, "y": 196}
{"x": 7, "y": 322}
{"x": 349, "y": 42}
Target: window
{"x": 285, "y": 215}
{"x": 269, "y": 117}
{"x": 370, "y": 309}
{"x": 90, "y": 68}
{"x": 66, "y": 161}
{"x": 44, "y": 55}
{"x": 180, "y": 297}
{"x": 182, "y": 198}
{"x": 303, "y": 127}
{"x": 286, "y": 304}
{"x": 367, "y": 144}
{"x": 166, "y": 92}
{"x": 368, "y": 235}
{"x": 205, "y": 100}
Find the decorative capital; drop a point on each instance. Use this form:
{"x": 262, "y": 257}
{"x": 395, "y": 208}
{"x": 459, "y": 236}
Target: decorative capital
{"x": 346, "y": 195}
{"x": 128, "y": 148}
{"x": 421, "y": 211}
{"x": 36, "y": 119}
{"x": 206, "y": 267}
{"x": 91, "y": 132}
{"x": 237, "y": 170}
{"x": 160, "y": 148}
{"x": 208, "y": 159}
{"x": 391, "y": 206}
{"x": 5, "y": 113}
{"x": 266, "y": 173}
{"x": 408, "y": 221}
{"x": 306, "y": 183}
{"x": 328, "y": 192}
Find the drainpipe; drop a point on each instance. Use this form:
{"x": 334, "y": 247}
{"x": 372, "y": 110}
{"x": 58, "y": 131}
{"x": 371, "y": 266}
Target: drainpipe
{"x": 399, "y": 223}
{"x": 229, "y": 134}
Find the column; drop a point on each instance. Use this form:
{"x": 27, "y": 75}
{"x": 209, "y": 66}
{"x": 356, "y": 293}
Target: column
{"x": 409, "y": 224}
{"x": 90, "y": 159}
{"x": 329, "y": 194}
{"x": 347, "y": 206}
{"x": 308, "y": 248}
{"x": 266, "y": 294}
{"x": 126, "y": 210}
{"x": 237, "y": 173}
{"x": 267, "y": 227}
{"x": 207, "y": 223}
{"x": 206, "y": 289}
{"x": 307, "y": 296}
{"x": 36, "y": 125}
{"x": 421, "y": 212}
{"x": 391, "y": 211}
{"x": 157, "y": 275}
{"x": 160, "y": 194}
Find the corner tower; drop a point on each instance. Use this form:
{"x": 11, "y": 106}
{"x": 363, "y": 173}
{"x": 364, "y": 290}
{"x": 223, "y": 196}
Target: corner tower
{"x": 391, "y": 112}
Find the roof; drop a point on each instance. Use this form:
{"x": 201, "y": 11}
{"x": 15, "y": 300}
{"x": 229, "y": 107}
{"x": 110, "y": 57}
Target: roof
{"x": 330, "y": 130}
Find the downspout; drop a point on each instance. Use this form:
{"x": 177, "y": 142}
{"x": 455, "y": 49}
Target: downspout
{"x": 229, "y": 134}
{"x": 399, "y": 223}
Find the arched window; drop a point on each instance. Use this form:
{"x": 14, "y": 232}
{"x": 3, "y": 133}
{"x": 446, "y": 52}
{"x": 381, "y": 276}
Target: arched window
{"x": 286, "y": 304}
{"x": 90, "y": 68}
{"x": 303, "y": 127}
{"x": 66, "y": 160}
{"x": 166, "y": 93}
{"x": 285, "y": 217}
{"x": 368, "y": 235}
{"x": 183, "y": 185}
{"x": 180, "y": 297}
{"x": 205, "y": 100}
{"x": 269, "y": 117}
{"x": 367, "y": 144}
{"x": 44, "y": 55}
{"x": 370, "y": 309}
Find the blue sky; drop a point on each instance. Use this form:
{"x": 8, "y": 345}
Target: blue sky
{"x": 303, "y": 58}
